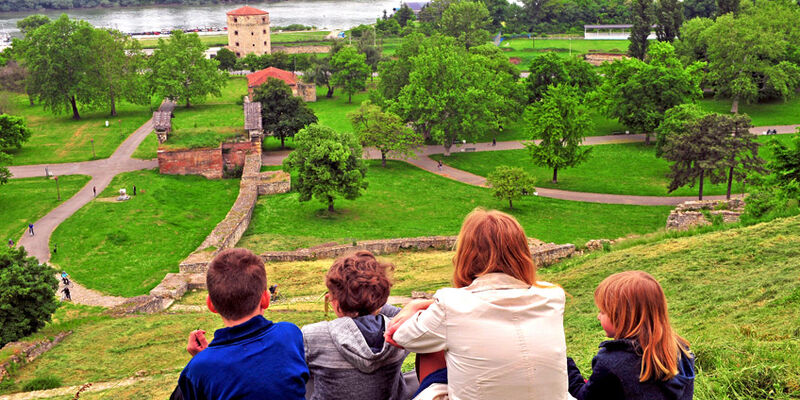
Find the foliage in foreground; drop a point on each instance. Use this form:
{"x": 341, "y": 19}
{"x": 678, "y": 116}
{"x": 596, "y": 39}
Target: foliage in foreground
{"x": 27, "y": 298}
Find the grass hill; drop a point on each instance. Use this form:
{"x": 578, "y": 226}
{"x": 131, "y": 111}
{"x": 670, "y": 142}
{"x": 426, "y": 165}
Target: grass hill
{"x": 734, "y": 294}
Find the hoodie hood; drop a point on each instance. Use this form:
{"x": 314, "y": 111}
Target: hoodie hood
{"x": 675, "y": 387}
{"x": 360, "y": 342}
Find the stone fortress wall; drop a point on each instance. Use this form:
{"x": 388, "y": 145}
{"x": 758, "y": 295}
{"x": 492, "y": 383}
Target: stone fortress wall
{"x": 699, "y": 213}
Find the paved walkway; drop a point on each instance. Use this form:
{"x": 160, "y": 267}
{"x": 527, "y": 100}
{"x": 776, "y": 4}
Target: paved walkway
{"x": 101, "y": 171}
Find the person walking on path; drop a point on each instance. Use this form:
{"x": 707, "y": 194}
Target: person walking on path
{"x": 439, "y": 164}
{"x": 10, "y": 243}
{"x": 134, "y": 190}
{"x": 30, "y": 229}
{"x": 94, "y": 191}
{"x": 494, "y": 141}
{"x": 66, "y": 296}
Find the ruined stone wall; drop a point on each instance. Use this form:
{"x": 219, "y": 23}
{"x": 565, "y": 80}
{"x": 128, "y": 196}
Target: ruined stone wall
{"x": 301, "y": 49}
{"x": 692, "y": 214}
{"x": 233, "y": 154}
{"x": 273, "y": 182}
{"x": 597, "y": 59}
{"x": 27, "y": 352}
{"x": 206, "y": 162}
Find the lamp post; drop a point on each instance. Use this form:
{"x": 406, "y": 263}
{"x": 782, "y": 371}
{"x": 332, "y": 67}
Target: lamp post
{"x": 93, "y": 154}
{"x": 58, "y": 190}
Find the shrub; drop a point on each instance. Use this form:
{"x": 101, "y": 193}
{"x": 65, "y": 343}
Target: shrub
{"x": 27, "y": 295}
{"x": 42, "y": 383}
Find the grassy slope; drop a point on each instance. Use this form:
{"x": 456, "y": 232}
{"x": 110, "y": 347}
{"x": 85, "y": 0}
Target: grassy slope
{"x": 404, "y": 201}
{"x": 59, "y": 139}
{"x": 733, "y": 294}
{"x": 126, "y": 248}
{"x": 612, "y": 168}
{"x": 23, "y": 201}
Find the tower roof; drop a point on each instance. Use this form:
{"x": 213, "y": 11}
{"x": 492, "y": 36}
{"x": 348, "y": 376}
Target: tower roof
{"x": 247, "y": 10}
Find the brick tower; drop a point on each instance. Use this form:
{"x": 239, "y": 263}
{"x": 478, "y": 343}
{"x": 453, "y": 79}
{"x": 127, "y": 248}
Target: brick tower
{"x": 248, "y": 31}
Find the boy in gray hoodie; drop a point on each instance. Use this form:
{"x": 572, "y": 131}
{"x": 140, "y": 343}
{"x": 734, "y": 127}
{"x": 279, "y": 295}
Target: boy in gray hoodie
{"x": 348, "y": 357}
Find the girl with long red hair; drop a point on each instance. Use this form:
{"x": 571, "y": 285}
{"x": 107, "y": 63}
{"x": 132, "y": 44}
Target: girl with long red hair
{"x": 646, "y": 359}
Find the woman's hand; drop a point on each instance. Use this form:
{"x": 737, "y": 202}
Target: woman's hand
{"x": 407, "y": 312}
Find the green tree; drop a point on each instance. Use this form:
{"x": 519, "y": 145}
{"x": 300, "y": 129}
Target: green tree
{"x": 27, "y": 295}
{"x": 510, "y": 183}
{"x": 385, "y": 131}
{"x": 560, "y": 122}
{"x": 179, "y": 69}
{"x": 752, "y": 56}
{"x": 13, "y": 133}
{"x": 727, "y": 6}
{"x": 394, "y": 72}
{"x": 699, "y": 153}
{"x": 549, "y": 69}
{"x": 669, "y": 18}
{"x": 56, "y": 56}
{"x": 699, "y": 9}
{"x": 31, "y": 22}
{"x": 786, "y": 165}
{"x": 226, "y": 58}
{"x": 320, "y": 74}
{"x": 449, "y": 95}
{"x": 328, "y": 165}
{"x": 642, "y": 22}
{"x": 403, "y": 15}
{"x": 351, "y": 71}
{"x": 638, "y": 93}
{"x": 742, "y": 159}
{"x": 692, "y": 45}
{"x": 282, "y": 114}
{"x": 467, "y": 22}
{"x": 677, "y": 120}
{"x": 117, "y": 71}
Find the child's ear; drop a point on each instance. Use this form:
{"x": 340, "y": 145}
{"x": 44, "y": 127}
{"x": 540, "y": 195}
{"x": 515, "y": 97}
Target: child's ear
{"x": 210, "y": 305}
{"x": 265, "y": 300}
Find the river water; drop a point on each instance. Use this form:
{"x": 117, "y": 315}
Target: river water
{"x": 324, "y": 14}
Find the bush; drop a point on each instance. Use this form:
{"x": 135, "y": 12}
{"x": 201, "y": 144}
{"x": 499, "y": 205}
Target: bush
{"x": 42, "y": 383}
{"x": 27, "y": 295}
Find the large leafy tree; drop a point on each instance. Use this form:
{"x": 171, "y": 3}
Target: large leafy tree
{"x": 320, "y": 74}
{"x": 549, "y": 69}
{"x": 742, "y": 158}
{"x": 351, "y": 71}
{"x": 226, "y": 59}
{"x": 118, "y": 69}
{"x": 31, "y": 22}
{"x": 328, "y": 165}
{"x": 638, "y": 93}
{"x": 642, "y": 22}
{"x": 559, "y": 122}
{"x": 394, "y": 72}
{"x": 699, "y": 9}
{"x": 510, "y": 183}
{"x": 58, "y": 57}
{"x": 282, "y": 114}
{"x": 727, "y": 6}
{"x": 677, "y": 121}
{"x": 699, "y": 153}
{"x": 27, "y": 295}
{"x": 13, "y": 133}
{"x": 179, "y": 69}
{"x": 385, "y": 131}
{"x": 449, "y": 95}
{"x": 668, "y": 17}
{"x": 404, "y": 14}
{"x": 467, "y": 22}
{"x": 754, "y": 55}
{"x": 692, "y": 45}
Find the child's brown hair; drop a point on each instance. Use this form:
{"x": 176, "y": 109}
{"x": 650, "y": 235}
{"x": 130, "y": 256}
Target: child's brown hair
{"x": 637, "y": 308}
{"x": 359, "y": 283}
{"x": 236, "y": 280}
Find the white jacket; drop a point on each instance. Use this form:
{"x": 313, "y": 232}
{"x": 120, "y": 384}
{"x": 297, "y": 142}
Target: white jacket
{"x": 502, "y": 338}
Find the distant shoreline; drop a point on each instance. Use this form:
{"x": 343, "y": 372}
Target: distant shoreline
{"x": 210, "y": 2}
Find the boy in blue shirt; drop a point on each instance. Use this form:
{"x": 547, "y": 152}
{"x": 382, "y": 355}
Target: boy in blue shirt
{"x": 252, "y": 357}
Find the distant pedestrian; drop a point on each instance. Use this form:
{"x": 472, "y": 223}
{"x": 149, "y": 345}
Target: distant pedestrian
{"x": 55, "y": 248}
{"x": 134, "y": 190}
{"x": 66, "y": 295}
{"x": 494, "y": 142}
{"x": 30, "y": 229}
{"x": 94, "y": 191}
{"x": 439, "y": 164}
{"x": 10, "y": 244}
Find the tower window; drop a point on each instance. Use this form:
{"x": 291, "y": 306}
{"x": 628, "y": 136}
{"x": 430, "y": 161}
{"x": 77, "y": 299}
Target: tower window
{"x": 236, "y": 33}
{"x": 264, "y": 31}
{"x": 265, "y": 43}
{"x": 237, "y": 54}
{"x": 263, "y": 19}
{"x": 252, "y": 33}
{"x": 254, "y": 45}
{"x": 235, "y": 20}
{"x": 237, "y": 43}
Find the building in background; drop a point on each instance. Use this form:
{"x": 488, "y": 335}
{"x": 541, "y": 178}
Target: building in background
{"x": 248, "y": 31}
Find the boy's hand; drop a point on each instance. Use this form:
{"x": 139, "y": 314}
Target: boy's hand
{"x": 407, "y": 312}
{"x": 197, "y": 342}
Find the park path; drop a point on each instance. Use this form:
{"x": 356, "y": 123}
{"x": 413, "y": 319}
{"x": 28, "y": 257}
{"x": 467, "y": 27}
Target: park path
{"x": 101, "y": 172}
{"x": 71, "y": 390}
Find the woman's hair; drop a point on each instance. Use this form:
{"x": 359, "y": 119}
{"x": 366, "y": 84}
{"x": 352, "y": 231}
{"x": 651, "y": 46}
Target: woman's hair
{"x": 359, "y": 283}
{"x": 492, "y": 241}
{"x": 636, "y": 306}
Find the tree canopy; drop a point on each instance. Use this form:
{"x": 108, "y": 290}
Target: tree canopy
{"x": 549, "y": 69}
{"x": 13, "y": 133}
{"x": 27, "y": 295}
{"x": 642, "y": 22}
{"x": 510, "y": 183}
{"x": 385, "y": 131}
{"x": 467, "y": 22}
{"x": 328, "y": 165}
{"x": 180, "y": 71}
{"x": 282, "y": 114}
{"x": 559, "y": 121}
{"x": 350, "y": 71}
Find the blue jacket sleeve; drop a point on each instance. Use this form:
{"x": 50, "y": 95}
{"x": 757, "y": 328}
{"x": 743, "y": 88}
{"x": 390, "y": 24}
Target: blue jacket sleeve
{"x": 602, "y": 385}
{"x": 188, "y": 390}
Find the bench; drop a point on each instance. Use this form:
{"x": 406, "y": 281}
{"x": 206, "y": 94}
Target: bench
{"x": 468, "y": 149}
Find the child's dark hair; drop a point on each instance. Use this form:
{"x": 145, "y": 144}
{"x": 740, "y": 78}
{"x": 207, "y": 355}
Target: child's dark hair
{"x": 236, "y": 280}
{"x": 359, "y": 283}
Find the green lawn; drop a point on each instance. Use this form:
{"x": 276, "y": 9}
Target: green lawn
{"x": 24, "y": 201}
{"x": 59, "y": 139}
{"x": 526, "y": 49}
{"x": 126, "y": 248}
{"x": 630, "y": 168}
{"x": 148, "y": 149}
{"x": 777, "y": 112}
{"x": 333, "y": 112}
{"x": 404, "y": 201}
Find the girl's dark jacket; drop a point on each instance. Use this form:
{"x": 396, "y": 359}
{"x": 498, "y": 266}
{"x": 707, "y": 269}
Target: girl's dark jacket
{"x": 615, "y": 375}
